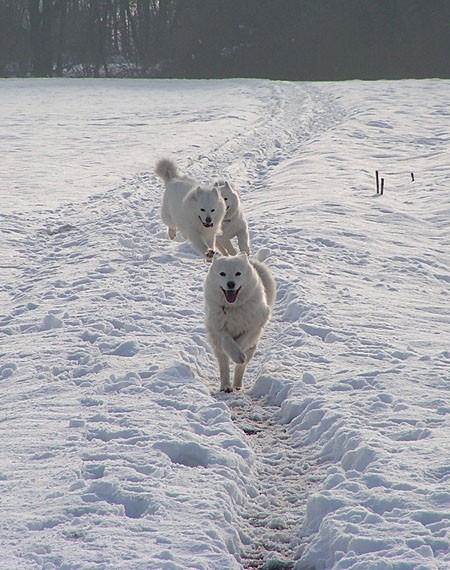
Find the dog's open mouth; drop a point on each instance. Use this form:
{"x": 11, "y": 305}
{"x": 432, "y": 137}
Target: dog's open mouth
{"x": 231, "y": 294}
{"x": 206, "y": 224}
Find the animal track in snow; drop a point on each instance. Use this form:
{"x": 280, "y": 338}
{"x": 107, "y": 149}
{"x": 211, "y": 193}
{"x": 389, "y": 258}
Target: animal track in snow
{"x": 284, "y": 477}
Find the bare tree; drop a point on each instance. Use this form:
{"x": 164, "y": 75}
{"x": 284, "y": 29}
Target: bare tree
{"x": 293, "y": 39}
{"x": 61, "y": 35}
{"x": 41, "y": 14}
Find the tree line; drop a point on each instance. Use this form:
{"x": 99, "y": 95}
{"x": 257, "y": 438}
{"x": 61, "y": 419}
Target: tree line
{"x": 278, "y": 39}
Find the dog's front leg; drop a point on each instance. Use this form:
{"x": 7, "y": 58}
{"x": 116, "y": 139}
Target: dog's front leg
{"x": 225, "y": 244}
{"x": 211, "y": 243}
{"x": 220, "y": 247}
{"x": 249, "y": 340}
{"x": 240, "y": 369}
{"x": 232, "y": 349}
{"x": 224, "y": 370}
{"x": 244, "y": 241}
{"x": 201, "y": 247}
{"x": 167, "y": 219}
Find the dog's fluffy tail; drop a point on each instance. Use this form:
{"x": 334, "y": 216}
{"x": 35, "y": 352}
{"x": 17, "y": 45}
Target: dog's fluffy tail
{"x": 263, "y": 254}
{"x": 166, "y": 169}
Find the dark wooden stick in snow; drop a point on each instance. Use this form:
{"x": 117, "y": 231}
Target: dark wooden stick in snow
{"x": 377, "y": 177}
{"x": 412, "y": 176}
{"x": 382, "y": 186}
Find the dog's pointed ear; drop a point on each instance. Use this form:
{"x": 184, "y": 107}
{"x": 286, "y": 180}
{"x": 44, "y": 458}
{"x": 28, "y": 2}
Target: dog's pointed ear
{"x": 215, "y": 191}
{"x": 231, "y": 188}
{"x": 193, "y": 194}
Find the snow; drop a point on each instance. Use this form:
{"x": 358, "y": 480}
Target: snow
{"x": 118, "y": 451}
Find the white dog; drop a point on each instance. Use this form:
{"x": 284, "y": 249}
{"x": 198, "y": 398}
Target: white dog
{"x": 239, "y": 294}
{"x": 197, "y": 212}
{"x": 234, "y": 223}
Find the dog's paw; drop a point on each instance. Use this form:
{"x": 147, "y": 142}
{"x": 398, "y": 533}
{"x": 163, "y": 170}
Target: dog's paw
{"x": 172, "y": 233}
{"x": 227, "y": 389}
{"x": 209, "y": 255}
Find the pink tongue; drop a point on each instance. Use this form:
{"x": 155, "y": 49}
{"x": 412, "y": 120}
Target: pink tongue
{"x": 231, "y": 296}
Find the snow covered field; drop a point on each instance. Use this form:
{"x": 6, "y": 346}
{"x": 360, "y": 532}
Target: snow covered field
{"x": 117, "y": 450}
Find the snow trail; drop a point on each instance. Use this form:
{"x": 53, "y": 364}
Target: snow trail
{"x": 284, "y": 477}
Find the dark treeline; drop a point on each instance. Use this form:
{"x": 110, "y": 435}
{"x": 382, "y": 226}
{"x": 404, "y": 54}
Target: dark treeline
{"x": 279, "y": 39}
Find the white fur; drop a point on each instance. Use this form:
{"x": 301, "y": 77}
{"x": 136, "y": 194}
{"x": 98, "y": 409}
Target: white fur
{"x": 235, "y": 324}
{"x": 186, "y": 206}
{"x": 234, "y": 223}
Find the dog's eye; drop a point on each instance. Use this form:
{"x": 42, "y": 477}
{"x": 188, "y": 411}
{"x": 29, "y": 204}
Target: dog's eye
{"x": 226, "y": 199}
{"x": 238, "y": 273}
{"x": 202, "y": 209}
{"x": 213, "y": 210}
{"x": 222, "y": 274}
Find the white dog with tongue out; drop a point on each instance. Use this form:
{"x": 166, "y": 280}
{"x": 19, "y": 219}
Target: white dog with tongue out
{"x": 197, "y": 212}
{"x": 239, "y": 295}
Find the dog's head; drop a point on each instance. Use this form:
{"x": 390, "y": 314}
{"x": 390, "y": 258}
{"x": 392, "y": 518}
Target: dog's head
{"x": 230, "y": 196}
{"x": 209, "y": 206}
{"x": 230, "y": 274}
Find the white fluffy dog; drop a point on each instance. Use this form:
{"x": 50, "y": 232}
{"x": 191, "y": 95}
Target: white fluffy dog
{"x": 195, "y": 211}
{"x": 239, "y": 294}
{"x": 234, "y": 223}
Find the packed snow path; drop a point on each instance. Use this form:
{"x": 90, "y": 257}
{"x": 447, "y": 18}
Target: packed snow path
{"x": 118, "y": 452}
{"x": 284, "y": 478}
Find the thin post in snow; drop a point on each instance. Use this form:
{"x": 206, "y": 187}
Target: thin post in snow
{"x": 382, "y": 186}
{"x": 377, "y": 177}
{"x": 412, "y": 176}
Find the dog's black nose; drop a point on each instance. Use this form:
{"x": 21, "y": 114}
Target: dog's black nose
{"x": 231, "y": 285}
{"x": 208, "y": 220}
